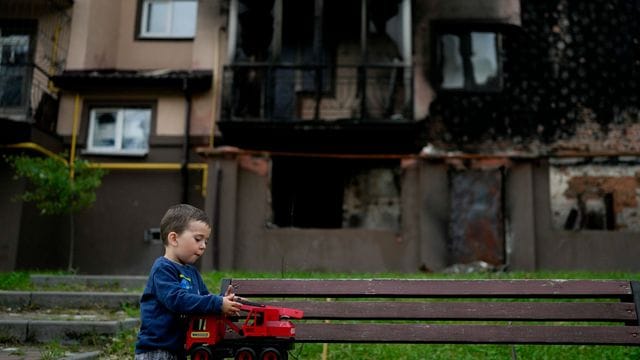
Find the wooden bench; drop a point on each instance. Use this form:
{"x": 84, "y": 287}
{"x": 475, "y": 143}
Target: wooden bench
{"x": 455, "y": 311}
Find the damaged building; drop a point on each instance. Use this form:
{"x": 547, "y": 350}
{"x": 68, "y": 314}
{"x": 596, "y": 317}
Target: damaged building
{"x": 352, "y": 135}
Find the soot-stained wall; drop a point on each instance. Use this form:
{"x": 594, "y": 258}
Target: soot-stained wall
{"x": 570, "y": 81}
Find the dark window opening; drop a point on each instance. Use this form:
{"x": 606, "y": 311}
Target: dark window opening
{"x": 307, "y": 193}
{"x": 16, "y": 63}
{"x": 335, "y": 193}
{"x": 592, "y": 213}
{"x": 468, "y": 60}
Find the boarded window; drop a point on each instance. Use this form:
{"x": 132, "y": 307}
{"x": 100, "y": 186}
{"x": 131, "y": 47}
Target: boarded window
{"x": 477, "y": 222}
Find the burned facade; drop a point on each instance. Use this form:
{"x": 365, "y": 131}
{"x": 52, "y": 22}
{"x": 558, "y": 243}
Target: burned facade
{"x": 354, "y": 135}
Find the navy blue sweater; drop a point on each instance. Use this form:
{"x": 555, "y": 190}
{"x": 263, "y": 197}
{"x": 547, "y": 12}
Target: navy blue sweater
{"x": 172, "y": 290}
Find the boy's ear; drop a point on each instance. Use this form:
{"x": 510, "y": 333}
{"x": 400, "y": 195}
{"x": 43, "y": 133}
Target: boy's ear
{"x": 172, "y": 238}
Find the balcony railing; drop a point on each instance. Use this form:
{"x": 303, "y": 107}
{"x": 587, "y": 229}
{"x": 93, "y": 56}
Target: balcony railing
{"x": 33, "y": 50}
{"x": 26, "y": 95}
{"x": 283, "y": 93}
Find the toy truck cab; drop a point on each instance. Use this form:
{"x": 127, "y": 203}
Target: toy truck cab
{"x": 265, "y": 334}
{"x": 267, "y": 321}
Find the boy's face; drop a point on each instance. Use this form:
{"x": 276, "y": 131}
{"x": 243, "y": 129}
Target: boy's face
{"x": 188, "y": 246}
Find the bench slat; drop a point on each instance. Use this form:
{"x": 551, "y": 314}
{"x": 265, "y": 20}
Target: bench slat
{"x": 517, "y": 311}
{"x": 433, "y": 288}
{"x": 467, "y": 334}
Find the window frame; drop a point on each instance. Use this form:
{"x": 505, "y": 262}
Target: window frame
{"x": 465, "y": 30}
{"x": 143, "y": 21}
{"x": 28, "y": 29}
{"x": 117, "y": 149}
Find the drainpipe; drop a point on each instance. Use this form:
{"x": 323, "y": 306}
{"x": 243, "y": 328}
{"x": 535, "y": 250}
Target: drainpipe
{"x": 74, "y": 135}
{"x": 186, "y": 144}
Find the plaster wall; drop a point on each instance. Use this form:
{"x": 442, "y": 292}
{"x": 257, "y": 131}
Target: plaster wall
{"x": 247, "y": 243}
{"x": 113, "y": 44}
{"x": 520, "y": 234}
{"x": 87, "y": 49}
{"x": 433, "y": 214}
{"x": 596, "y": 250}
{"x": 134, "y": 53}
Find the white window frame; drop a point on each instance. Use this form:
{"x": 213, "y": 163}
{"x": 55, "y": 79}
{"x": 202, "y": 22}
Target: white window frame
{"x": 170, "y": 33}
{"x": 117, "y": 148}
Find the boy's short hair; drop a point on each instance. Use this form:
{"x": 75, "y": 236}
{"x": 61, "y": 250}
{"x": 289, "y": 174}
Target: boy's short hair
{"x": 178, "y": 217}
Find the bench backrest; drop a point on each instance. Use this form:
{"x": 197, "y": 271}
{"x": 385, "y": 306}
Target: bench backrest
{"x": 455, "y": 311}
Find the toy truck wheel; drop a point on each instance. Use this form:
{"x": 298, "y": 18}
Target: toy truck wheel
{"x": 201, "y": 353}
{"x": 271, "y": 354}
{"x": 245, "y": 353}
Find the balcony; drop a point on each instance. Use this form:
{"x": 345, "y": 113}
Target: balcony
{"x": 25, "y": 95}
{"x": 302, "y": 93}
{"x": 33, "y": 40}
{"x": 359, "y": 108}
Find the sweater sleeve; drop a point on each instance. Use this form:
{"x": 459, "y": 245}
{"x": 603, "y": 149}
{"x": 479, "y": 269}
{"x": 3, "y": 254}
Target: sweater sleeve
{"x": 180, "y": 300}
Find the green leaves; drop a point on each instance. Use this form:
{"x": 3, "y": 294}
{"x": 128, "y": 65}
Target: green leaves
{"x": 51, "y": 187}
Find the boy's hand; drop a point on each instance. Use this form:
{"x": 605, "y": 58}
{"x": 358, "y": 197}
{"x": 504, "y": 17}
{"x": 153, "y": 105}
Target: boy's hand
{"x": 230, "y": 307}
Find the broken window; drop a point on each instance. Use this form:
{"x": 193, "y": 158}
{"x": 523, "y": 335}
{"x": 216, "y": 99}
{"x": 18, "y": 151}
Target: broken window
{"x": 587, "y": 196}
{"x": 119, "y": 131}
{"x": 335, "y": 193}
{"x": 592, "y": 211}
{"x": 332, "y": 59}
{"x": 468, "y": 60}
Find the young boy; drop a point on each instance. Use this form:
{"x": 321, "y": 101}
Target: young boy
{"x": 175, "y": 287}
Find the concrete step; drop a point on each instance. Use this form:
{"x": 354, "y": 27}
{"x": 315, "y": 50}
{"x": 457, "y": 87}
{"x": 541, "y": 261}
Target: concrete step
{"x": 62, "y": 325}
{"x": 32, "y": 318}
{"x": 68, "y": 299}
{"x": 22, "y": 330}
{"x": 91, "y": 281}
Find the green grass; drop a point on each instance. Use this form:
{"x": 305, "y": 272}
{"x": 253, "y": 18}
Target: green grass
{"x": 15, "y": 281}
{"x": 460, "y": 352}
{"x": 121, "y": 346}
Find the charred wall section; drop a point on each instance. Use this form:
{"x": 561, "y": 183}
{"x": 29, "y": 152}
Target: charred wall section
{"x": 570, "y": 79}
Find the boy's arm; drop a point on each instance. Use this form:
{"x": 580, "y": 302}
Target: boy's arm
{"x": 179, "y": 300}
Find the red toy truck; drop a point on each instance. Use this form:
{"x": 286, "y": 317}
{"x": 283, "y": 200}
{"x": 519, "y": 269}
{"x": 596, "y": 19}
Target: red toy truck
{"x": 266, "y": 334}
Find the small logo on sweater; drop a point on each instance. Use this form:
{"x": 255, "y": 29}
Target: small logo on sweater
{"x": 185, "y": 283}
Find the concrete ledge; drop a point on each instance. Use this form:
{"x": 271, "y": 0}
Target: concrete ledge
{"x": 118, "y": 281}
{"x": 13, "y": 330}
{"x": 67, "y": 299}
{"x": 65, "y": 331}
{"x": 82, "y": 300}
{"x": 15, "y": 299}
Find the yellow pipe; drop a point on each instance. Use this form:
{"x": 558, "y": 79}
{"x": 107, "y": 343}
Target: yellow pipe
{"x": 38, "y": 148}
{"x": 146, "y": 166}
{"x": 121, "y": 166}
{"x": 74, "y": 135}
